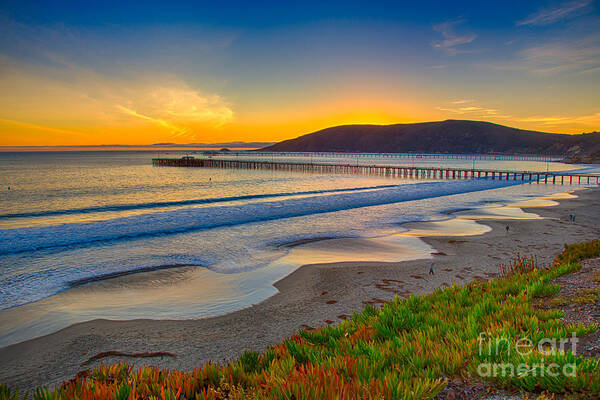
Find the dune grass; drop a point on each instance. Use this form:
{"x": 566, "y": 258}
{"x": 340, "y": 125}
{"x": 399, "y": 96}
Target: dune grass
{"x": 408, "y": 349}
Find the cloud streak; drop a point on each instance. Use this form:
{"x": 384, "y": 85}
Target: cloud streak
{"x": 573, "y": 56}
{"x": 564, "y": 56}
{"x": 549, "y": 16}
{"x": 157, "y": 105}
{"x": 469, "y": 109}
{"x": 451, "y": 39}
{"x": 179, "y": 109}
{"x": 28, "y": 125}
{"x": 590, "y": 119}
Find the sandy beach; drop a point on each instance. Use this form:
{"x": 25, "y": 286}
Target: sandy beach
{"x": 311, "y": 296}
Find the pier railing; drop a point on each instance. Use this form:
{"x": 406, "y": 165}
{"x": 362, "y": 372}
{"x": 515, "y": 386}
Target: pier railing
{"x": 439, "y": 156}
{"x": 408, "y": 172}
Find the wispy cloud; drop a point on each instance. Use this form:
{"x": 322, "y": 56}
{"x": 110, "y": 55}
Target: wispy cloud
{"x": 157, "y": 121}
{"x": 573, "y": 56}
{"x": 451, "y": 39}
{"x": 549, "y": 16}
{"x": 590, "y": 119}
{"x": 179, "y": 109}
{"x": 38, "y": 127}
{"x": 461, "y": 101}
{"x": 162, "y": 105}
{"x": 469, "y": 109}
{"x": 579, "y": 55}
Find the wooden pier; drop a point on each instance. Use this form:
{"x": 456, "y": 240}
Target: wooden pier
{"x": 411, "y": 156}
{"x": 556, "y": 177}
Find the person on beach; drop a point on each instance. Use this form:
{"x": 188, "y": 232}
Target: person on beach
{"x": 431, "y": 269}
{"x": 507, "y": 228}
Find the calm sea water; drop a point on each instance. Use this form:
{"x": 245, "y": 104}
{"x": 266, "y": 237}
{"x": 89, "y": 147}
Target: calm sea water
{"x": 73, "y": 216}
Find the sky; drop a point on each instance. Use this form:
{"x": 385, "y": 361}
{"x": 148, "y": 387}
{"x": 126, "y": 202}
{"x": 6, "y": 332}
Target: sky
{"x": 120, "y": 72}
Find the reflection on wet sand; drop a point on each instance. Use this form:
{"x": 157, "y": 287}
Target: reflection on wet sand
{"x": 177, "y": 293}
{"x": 464, "y": 222}
{"x": 394, "y": 248}
{"x": 449, "y": 227}
{"x": 502, "y": 212}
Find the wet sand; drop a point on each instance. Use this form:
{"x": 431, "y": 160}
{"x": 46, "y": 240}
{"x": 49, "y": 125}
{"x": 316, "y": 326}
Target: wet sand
{"x": 311, "y": 296}
{"x": 113, "y": 275}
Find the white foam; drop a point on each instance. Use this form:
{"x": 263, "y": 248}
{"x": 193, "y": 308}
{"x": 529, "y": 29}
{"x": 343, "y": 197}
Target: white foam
{"x": 188, "y": 219}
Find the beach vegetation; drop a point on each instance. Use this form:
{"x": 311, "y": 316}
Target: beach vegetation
{"x": 410, "y": 348}
{"x": 7, "y": 393}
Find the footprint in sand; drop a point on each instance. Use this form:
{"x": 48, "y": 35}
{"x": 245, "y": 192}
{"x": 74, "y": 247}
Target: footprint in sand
{"x": 385, "y": 287}
{"x": 344, "y": 316}
{"x": 447, "y": 269}
{"x": 460, "y": 277}
{"x": 307, "y": 327}
{"x": 328, "y": 321}
{"x": 323, "y": 293}
{"x": 374, "y": 301}
{"x": 417, "y": 276}
{"x": 387, "y": 281}
{"x": 331, "y": 301}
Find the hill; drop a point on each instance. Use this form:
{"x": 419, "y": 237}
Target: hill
{"x": 450, "y": 136}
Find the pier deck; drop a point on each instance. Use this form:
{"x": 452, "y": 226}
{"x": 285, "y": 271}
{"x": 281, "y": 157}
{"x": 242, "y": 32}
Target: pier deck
{"x": 550, "y": 177}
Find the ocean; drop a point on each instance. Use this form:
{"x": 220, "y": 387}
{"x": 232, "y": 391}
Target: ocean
{"x": 216, "y": 239}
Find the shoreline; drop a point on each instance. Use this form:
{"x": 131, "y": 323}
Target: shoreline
{"x": 311, "y": 296}
{"x": 120, "y": 274}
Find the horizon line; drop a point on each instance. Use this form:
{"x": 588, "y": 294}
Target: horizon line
{"x": 260, "y": 144}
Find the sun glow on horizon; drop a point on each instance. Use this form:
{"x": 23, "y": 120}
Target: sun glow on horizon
{"x": 98, "y": 110}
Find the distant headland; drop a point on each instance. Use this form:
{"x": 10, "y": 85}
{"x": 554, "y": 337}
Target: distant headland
{"x": 450, "y": 136}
